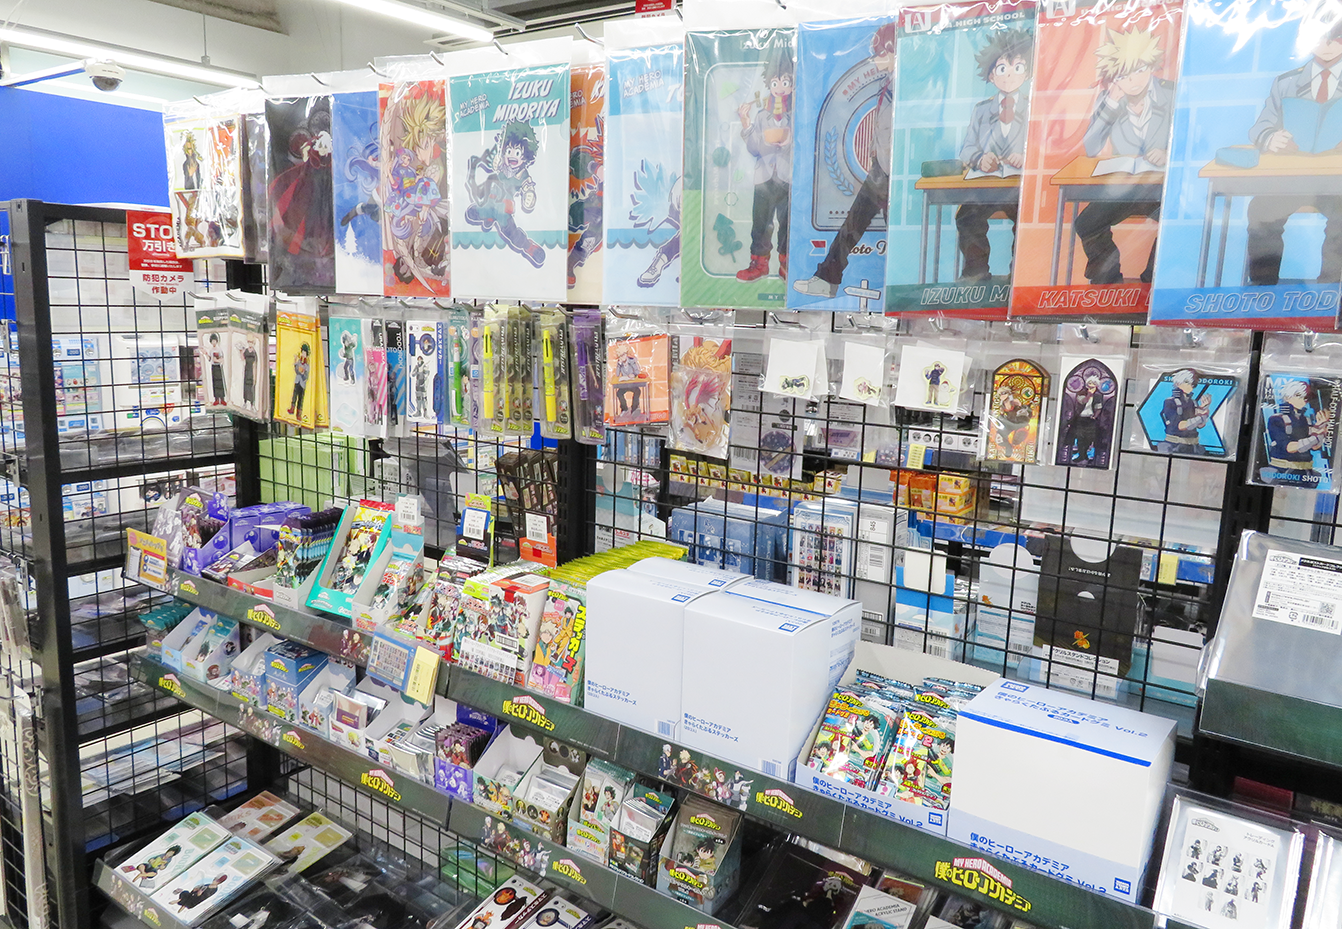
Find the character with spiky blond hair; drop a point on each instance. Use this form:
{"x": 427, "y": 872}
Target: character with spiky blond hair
{"x": 1132, "y": 120}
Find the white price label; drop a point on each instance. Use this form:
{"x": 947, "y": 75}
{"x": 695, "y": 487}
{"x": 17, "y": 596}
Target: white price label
{"x": 538, "y": 528}
{"x": 473, "y": 524}
{"x": 1300, "y": 590}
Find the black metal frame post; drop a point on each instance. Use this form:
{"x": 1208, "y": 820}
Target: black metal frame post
{"x": 53, "y": 646}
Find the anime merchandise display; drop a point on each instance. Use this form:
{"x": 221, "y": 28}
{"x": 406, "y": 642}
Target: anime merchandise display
{"x": 841, "y": 172}
{"x": 514, "y": 900}
{"x": 351, "y": 562}
{"x": 255, "y": 186}
{"x": 510, "y": 178}
{"x": 701, "y": 393}
{"x": 347, "y": 384}
{"x": 373, "y": 336}
{"x": 555, "y": 411}
{"x": 556, "y": 666}
{"x": 1087, "y": 612}
{"x": 876, "y": 909}
{"x": 302, "y": 232}
{"x": 413, "y": 182}
{"x": 398, "y": 361}
{"x": 1013, "y": 416}
{"x": 306, "y": 842}
{"x": 205, "y": 179}
{"x": 214, "y": 338}
{"x": 822, "y": 537}
{"x": 1251, "y": 226}
{"x": 558, "y": 913}
{"x": 457, "y": 357}
{"x": 932, "y": 377}
{"x": 586, "y": 181}
{"x": 800, "y": 889}
{"x": 259, "y": 817}
{"x": 424, "y": 371}
{"x": 1296, "y": 415}
{"x": 856, "y": 733}
{"x": 219, "y": 876}
{"x": 644, "y": 187}
{"x": 919, "y": 767}
{"x": 300, "y": 388}
{"x": 303, "y": 542}
{"x": 702, "y": 864}
{"x": 955, "y": 912}
{"x": 962, "y": 99}
{"x": 155, "y": 865}
{"x": 737, "y": 182}
{"x": 797, "y": 366}
{"x": 587, "y": 376}
{"x": 1194, "y": 383}
{"x": 1221, "y": 871}
{"x": 603, "y": 790}
{"x": 1089, "y": 382}
{"x": 638, "y": 832}
{"x": 357, "y": 195}
{"x": 1099, "y": 139}
{"x": 249, "y": 357}
{"x": 637, "y": 379}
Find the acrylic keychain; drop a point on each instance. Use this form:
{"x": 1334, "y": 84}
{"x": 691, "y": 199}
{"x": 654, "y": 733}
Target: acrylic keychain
{"x": 935, "y": 370}
{"x": 797, "y": 366}
{"x": 588, "y": 377}
{"x": 638, "y": 356}
{"x": 249, "y": 362}
{"x": 701, "y": 384}
{"x": 1089, "y": 386}
{"x": 1295, "y": 418}
{"x": 868, "y": 360}
{"x": 1194, "y": 384}
{"x": 551, "y": 357}
{"x": 213, "y": 340}
{"x": 1013, "y": 419}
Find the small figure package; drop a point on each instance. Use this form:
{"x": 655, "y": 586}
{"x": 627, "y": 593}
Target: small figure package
{"x": 219, "y": 876}
{"x": 1296, "y": 417}
{"x": 738, "y": 167}
{"x": 637, "y": 379}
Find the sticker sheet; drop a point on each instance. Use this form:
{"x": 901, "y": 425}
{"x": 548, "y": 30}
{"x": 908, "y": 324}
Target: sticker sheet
{"x": 586, "y": 182}
{"x": 644, "y": 187}
{"x": 1013, "y": 419}
{"x": 1296, "y": 442}
{"x": 930, "y": 378}
{"x": 1185, "y": 411}
{"x": 1100, "y": 121}
{"x": 510, "y": 176}
{"x": 357, "y": 198}
{"x": 205, "y": 181}
{"x": 637, "y": 387}
{"x": 962, "y": 97}
{"x": 412, "y": 151}
{"x": 841, "y": 172}
{"x": 738, "y": 167}
{"x": 1090, "y": 404}
{"x": 1248, "y": 237}
{"x": 302, "y": 237}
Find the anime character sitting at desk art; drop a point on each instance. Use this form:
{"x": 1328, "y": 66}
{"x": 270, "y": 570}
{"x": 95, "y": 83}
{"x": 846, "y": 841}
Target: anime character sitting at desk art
{"x": 994, "y": 144}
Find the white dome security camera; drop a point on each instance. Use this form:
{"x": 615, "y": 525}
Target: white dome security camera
{"x": 106, "y": 75}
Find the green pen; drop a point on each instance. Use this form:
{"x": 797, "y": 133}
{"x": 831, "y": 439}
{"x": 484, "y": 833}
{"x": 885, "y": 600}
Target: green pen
{"x": 458, "y": 405}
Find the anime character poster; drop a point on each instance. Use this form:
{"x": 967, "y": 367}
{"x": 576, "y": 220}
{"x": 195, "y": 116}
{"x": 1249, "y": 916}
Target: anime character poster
{"x": 412, "y": 152}
{"x": 737, "y": 190}
{"x": 962, "y": 98}
{"x": 1099, "y": 138}
{"x": 510, "y": 174}
{"x": 644, "y": 189}
{"x": 302, "y": 240}
{"x": 255, "y": 184}
{"x": 586, "y": 182}
{"x": 1185, "y": 413}
{"x": 841, "y": 172}
{"x": 356, "y": 174}
{"x": 1251, "y": 223}
{"x": 1297, "y": 431}
{"x": 205, "y": 185}
{"x": 1088, "y": 412}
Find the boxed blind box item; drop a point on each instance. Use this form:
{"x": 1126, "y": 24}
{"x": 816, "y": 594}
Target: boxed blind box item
{"x": 500, "y": 770}
{"x": 764, "y": 660}
{"x": 701, "y": 861}
{"x": 639, "y": 832}
{"x": 248, "y": 674}
{"x": 399, "y": 569}
{"x": 346, "y": 574}
{"x": 460, "y": 746}
{"x": 1088, "y": 749}
{"x": 317, "y": 700}
{"x": 631, "y": 614}
{"x": 209, "y": 656}
{"x": 289, "y": 668}
{"x": 503, "y": 641}
{"x": 542, "y": 800}
{"x": 605, "y": 786}
{"x": 906, "y": 777}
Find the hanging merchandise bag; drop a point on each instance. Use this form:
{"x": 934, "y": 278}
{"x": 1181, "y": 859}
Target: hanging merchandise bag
{"x": 1191, "y": 384}
{"x": 1296, "y": 416}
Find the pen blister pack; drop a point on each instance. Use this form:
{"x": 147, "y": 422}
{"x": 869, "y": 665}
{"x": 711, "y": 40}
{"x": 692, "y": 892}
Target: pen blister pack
{"x": 588, "y": 377}
{"x": 1296, "y": 414}
{"x": 1191, "y": 385}
{"x": 458, "y": 350}
{"x": 519, "y": 375}
{"x": 493, "y": 369}
{"x": 1017, "y": 375}
{"x": 1088, "y": 393}
{"x": 555, "y": 410}
{"x": 638, "y": 355}
{"x": 701, "y": 388}
{"x": 424, "y": 371}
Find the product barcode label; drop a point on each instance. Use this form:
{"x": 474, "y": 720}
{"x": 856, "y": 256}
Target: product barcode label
{"x": 665, "y": 729}
{"x": 770, "y": 768}
{"x": 1300, "y": 590}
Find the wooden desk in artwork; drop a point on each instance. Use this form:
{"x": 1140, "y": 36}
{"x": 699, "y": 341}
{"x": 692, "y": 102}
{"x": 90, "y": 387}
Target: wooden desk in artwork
{"x": 1077, "y": 184}
{"x": 1289, "y": 175}
{"x": 955, "y": 190}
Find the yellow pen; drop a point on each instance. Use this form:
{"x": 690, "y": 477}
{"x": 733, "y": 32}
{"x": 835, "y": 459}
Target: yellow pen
{"x": 548, "y": 373}
{"x": 487, "y": 371}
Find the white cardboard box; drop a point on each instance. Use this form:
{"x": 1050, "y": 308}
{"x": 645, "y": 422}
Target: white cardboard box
{"x": 901, "y": 665}
{"x": 1097, "y": 781}
{"x": 685, "y": 573}
{"x": 635, "y": 643}
{"x": 761, "y": 661}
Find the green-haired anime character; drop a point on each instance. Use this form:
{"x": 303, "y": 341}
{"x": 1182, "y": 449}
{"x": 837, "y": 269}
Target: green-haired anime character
{"x": 505, "y": 186}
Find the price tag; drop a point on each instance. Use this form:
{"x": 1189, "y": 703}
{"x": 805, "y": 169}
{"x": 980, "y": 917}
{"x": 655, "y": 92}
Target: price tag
{"x": 917, "y": 455}
{"x": 474, "y": 524}
{"x": 146, "y": 559}
{"x": 538, "y": 528}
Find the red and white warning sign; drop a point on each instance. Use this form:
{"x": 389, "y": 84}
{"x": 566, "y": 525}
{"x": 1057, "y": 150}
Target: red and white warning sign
{"x": 155, "y": 269}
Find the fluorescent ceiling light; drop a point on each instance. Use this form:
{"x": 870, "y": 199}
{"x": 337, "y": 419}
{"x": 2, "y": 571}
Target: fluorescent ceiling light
{"x": 135, "y": 61}
{"x": 418, "y": 16}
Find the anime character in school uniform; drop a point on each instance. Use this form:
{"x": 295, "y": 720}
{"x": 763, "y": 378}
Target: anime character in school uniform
{"x": 995, "y": 141}
{"x": 768, "y": 137}
{"x": 1132, "y": 118}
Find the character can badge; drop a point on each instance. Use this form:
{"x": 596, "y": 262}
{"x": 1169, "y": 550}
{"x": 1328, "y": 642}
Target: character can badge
{"x": 1015, "y": 412}
{"x": 1299, "y": 431}
{"x": 1184, "y": 412}
{"x": 1088, "y": 414}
